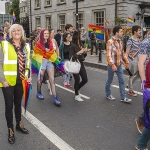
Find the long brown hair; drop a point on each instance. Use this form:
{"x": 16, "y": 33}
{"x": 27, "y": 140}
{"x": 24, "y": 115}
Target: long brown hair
{"x": 76, "y": 38}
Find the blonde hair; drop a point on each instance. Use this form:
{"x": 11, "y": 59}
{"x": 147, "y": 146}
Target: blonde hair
{"x": 15, "y": 26}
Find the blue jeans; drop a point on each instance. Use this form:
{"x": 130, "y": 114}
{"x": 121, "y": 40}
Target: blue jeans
{"x": 144, "y": 138}
{"x": 67, "y": 75}
{"x": 120, "y": 76}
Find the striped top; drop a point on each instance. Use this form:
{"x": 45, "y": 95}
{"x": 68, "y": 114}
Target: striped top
{"x": 133, "y": 44}
{"x": 115, "y": 53}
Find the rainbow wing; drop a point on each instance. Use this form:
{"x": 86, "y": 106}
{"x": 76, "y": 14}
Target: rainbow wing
{"x": 36, "y": 62}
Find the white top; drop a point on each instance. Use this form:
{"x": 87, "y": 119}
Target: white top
{"x": 54, "y": 46}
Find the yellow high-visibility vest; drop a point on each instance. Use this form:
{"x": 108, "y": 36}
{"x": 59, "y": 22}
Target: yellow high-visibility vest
{"x": 10, "y": 62}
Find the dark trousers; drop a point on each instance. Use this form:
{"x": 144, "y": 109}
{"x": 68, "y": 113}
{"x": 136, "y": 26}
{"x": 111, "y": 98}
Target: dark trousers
{"x": 92, "y": 45}
{"x": 13, "y": 94}
{"x": 78, "y": 84}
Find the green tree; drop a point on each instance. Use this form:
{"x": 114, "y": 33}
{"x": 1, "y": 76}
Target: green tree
{"x": 120, "y": 21}
{"x": 14, "y": 7}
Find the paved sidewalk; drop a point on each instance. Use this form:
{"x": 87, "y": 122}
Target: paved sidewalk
{"x": 95, "y": 59}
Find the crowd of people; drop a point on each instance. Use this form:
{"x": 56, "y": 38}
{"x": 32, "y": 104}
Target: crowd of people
{"x": 15, "y": 57}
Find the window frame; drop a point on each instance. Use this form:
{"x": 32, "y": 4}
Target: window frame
{"x": 50, "y": 22}
{"x": 38, "y": 17}
{"x": 60, "y": 25}
{"x": 37, "y": 3}
{"x": 100, "y": 23}
{"x": 49, "y": 4}
{"x": 59, "y": 2}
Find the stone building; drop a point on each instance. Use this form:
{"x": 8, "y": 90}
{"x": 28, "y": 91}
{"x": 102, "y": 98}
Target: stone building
{"x": 23, "y": 6}
{"x": 56, "y": 13}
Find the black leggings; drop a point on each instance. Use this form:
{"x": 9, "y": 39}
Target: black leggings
{"x": 13, "y": 94}
{"x": 78, "y": 84}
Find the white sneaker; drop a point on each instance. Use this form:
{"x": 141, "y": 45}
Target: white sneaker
{"x": 79, "y": 93}
{"x": 92, "y": 55}
{"x": 111, "y": 98}
{"x": 126, "y": 100}
{"x": 78, "y": 98}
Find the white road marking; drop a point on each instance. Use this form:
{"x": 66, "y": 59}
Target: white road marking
{"x": 86, "y": 97}
{"x": 127, "y": 89}
{"x": 56, "y": 140}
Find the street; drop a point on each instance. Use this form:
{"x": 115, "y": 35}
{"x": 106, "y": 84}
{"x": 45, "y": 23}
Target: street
{"x": 95, "y": 124}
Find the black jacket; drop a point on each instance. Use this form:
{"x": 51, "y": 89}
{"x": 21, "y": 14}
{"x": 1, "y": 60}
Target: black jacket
{"x": 93, "y": 37}
{"x": 72, "y": 53}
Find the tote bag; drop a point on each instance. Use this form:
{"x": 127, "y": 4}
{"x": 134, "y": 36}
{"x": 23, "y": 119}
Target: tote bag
{"x": 72, "y": 67}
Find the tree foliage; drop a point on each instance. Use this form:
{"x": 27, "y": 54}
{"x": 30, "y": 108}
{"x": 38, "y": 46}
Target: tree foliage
{"x": 120, "y": 21}
{"x": 14, "y": 7}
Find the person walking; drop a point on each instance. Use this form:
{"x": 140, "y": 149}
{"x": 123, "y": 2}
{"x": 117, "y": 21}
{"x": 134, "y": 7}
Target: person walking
{"x": 14, "y": 57}
{"x": 78, "y": 52}
{"x": 84, "y": 35}
{"x": 69, "y": 29}
{"x": 44, "y": 47}
{"x": 115, "y": 57}
{"x": 144, "y": 57}
{"x": 58, "y": 37}
{"x": 132, "y": 51}
{"x": 64, "y": 55}
{"x": 93, "y": 41}
{"x": 145, "y": 136}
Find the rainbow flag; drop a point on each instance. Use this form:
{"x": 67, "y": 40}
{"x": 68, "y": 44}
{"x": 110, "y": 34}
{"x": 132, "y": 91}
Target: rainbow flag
{"x": 99, "y": 31}
{"x": 107, "y": 22}
{"x": 130, "y": 20}
{"x": 37, "y": 57}
{"x": 14, "y": 17}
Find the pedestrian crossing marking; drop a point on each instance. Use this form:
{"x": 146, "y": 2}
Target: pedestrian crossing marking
{"x": 51, "y": 136}
{"x": 86, "y": 97}
{"x": 116, "y": 86}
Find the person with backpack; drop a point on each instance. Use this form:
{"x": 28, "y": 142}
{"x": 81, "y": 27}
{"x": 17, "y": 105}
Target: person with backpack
{"x": 132, "y": 51}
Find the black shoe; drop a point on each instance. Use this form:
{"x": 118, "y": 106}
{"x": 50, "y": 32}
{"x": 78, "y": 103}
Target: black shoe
{"x": 20, "y": 127}
{"x": 11, "y": 137}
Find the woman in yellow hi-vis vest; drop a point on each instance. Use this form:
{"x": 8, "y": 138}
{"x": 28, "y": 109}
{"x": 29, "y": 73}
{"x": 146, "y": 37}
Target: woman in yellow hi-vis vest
{"x": 14, "y": 57}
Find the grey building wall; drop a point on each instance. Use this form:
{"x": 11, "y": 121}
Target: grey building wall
{"x": 126, "y": 8}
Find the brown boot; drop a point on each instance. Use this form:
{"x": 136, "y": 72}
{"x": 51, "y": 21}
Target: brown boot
{"x": 20, "y": 127}
{"x": 139, "y": 126}
{"x": 11, "y": 137}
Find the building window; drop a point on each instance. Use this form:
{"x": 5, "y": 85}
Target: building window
{"x": 99, "y": 18}
{"x": 24, "y": 9}
{"x": 37, "y": 3}
{"x": 80, "y": 20}
{"x": 48, "y": 22}
{"x": 21, "y": 9}
{"x": 61, "y": 1}
{"x": 62, "y": 23}
{"x": 47, "y": 2}
{"x": 38, "y": 22}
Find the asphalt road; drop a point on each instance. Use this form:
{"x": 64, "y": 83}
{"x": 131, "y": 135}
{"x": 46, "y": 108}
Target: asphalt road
{"x": 95, "y": 124}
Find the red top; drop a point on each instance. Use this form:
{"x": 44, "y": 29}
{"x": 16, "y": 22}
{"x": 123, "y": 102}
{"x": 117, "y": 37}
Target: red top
{"x": 147, "y": 83}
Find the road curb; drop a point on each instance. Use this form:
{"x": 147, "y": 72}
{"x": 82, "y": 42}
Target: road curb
{"x": 99, "y": 66}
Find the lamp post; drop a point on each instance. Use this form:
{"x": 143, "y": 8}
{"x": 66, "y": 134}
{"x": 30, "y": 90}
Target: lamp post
{"x": 116, "y": 11}
{"x": 30, "y": 17}
{"x": 77, "y": 17}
